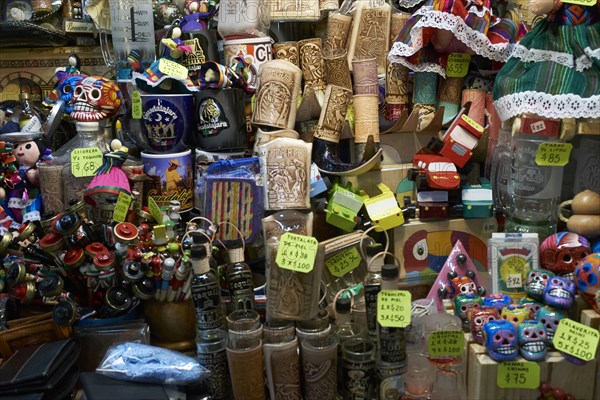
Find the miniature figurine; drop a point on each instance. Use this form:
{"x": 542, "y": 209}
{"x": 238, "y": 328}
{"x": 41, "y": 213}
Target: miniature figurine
{"x": 561, "y": 252}
{"x": 559, "y": 293}
{"x": 500, "y": 338}
{"x": 533, "y": 305}
{"x": 550, "y": 318}
{"x": 587, "y": 279}
{"x": 532, "y": 340}
{"x": 497, "y": 301}
{"x": 465, "y": 303}
{"x": 515, "y": 314}
{"x": 479, "y": 317}
{"x": 536, "y": 283}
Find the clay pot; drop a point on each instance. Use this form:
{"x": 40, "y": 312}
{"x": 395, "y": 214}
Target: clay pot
{"x": 585, "y": 207}
{"x": 172, "y": 324}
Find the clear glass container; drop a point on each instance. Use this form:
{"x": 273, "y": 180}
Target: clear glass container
{"x": 358, "y": 369}
{"x": 211, "y": 354}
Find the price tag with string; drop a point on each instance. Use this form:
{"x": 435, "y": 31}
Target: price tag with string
{"x": 518, "y": 375}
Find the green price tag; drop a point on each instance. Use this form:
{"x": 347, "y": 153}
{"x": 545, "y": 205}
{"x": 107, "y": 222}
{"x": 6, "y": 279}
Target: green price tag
{"x": 553, "y": 154}
{"x": 393, "y": 308}
{"x": 343, "y": 262}
{"x": 136, "y": 105}
{"x": 155, "y": 210}
{"x": 446, "y": 343}
{"x": 518, "y": 375}
{"x": 581, "y": 2}
{"x": 122, "y": 207}
{"x": 171, "y": 68}
{"x": 297, "y": 252}
{"x": 576, "y": 339}
{"x": 458, "y": 65}
{"x": 85, "y": 162}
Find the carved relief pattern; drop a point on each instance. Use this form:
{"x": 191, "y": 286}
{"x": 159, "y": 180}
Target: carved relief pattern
{"x": 372, "y": 37}
{"x": 311, "y": 62}
{"x": 333, "y": 113}
{"x": 396, "y": 88}
{"x": 450, "y": 90}
{"x": 287, "y": 178}
{"x": 286, "y": 374}
{"x": 287, "y": 51}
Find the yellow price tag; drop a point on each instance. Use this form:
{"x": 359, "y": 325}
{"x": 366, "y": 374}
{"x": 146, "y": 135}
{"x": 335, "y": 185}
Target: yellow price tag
{"x": 155, "y": 210}
{"x": 85, "y": 162}
{"x": 171, "y": 68}
{"x": 472, "y": 122}
{"x": 576, "y": 339}
{"x": 446, "y": 343}
{"x": 136, "y": 105}
{"x": 458, "y": 65}
{"x": 343, "y": 262}
{"x": 581, "y": 2}
{"x": 393, "y": 308}
{"x": 553, "y": 154}
{"x": 518, "y": 375}
{"x": 297, "y": 252}
{"x": 122, "y": 207}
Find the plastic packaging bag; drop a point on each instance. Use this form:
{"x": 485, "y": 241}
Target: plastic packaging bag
{"x": 143, "y": 363}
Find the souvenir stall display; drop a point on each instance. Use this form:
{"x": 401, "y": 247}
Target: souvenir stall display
{"x": 312, "y": 199}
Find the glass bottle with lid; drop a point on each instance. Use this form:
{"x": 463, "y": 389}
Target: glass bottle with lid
{"x": 30, "y": 119}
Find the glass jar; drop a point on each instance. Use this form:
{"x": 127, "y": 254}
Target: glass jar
{"x": 358, "y": 369}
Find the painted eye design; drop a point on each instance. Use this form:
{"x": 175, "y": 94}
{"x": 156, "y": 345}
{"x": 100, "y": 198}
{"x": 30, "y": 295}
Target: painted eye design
{"x": 420, "y": 250}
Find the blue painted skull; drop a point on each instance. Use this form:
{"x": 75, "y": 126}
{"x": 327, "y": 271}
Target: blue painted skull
{"x": 533, "y": 305}
{"x": 66, "y": 88}
{"x": 536, "y": 283}
{"x": 559, "y": 292}
{"x": 532, "y": 340}
{"x": 498, "y": 301}
{"x": 550, "y": 319}
{"x": 500, "y": 338}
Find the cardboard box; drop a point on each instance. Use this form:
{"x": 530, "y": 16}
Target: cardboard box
{"x": 32, "y": 70}
{"x": 422, "y": 247}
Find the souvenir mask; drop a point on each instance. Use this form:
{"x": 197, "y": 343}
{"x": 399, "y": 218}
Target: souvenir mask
{"x": 533, "y": 305}
{"x": 532, "y": 340}
{"x": 587, "y": 279}
{"x": 550, "y": 319}
{"x": 66, "y": 88}
{"x": 559, "y": 292}
{"x": 95, "y": 98}
{"x": 500, "y": 339}
{"x": 464, "y": 302}
{"x": 515, "y": 314}
{"x": 498, "y": 301}
{"x": 536, "y": 283}
{"x": 561, "y": 252}
{"x": 479, "y": 317}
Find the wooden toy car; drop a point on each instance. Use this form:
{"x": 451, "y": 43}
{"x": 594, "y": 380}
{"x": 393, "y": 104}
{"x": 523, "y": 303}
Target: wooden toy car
{"x": 477, "y": 200}
{"x": 460, "y": 139}
{"x": 343, "y": 207}
{"x": 434, "y": 172}
{"x": 383, "y": 209}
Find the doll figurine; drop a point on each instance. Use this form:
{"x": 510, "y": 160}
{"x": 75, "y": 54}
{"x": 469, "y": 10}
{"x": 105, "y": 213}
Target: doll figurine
{"x": 555, "y": 69}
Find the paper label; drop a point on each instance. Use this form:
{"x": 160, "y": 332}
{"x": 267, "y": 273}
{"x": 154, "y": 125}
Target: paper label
{"x": 576, "y": 339}
{"x": 518, "y": 375}
{"x": 343, "y": 262}
{"x": 553, "y": 154}
{"x": 538, "y": 126}
{"x": 85, "y": 162}
{"x": 514, "y": 281}
{"x": 173, "y": 69}
{"x": 154, "y": 210}
{"x": 581, "y": 2}
{"x": 446, "y": 343}
{"x": 297, "y": 252}
{"x": 122, "y": 207}
{"x": 472, "y": 122}
{"x": 458, "y": 65}
{"x": 136, "y": 105}
{"x": 393, "y": 308}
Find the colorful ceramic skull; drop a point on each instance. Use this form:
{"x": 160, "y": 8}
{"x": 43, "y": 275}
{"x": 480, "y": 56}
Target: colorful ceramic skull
{"x": 587, "y": 279}
{"x": 536, "y": 283}
{"x": 500, "y": 339}
{"x": 550, "y": 318}
{"x": 95, "y": 98}
{"x": 463, "y": 285}
{"x": 561, "y": 252}
{"x": 464, "y": 302}
{"x": 532, "y": 340}
{"x": 66, "y": 88}
{"x": 479, "y": 317}
{"x": 515, "y": 314}
{"x": 559, "y": 292}
{"x": 533, "y": 305}
{"x": 498, "y": 301}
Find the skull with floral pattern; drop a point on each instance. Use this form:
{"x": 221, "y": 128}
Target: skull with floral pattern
{"x": 561, "y": 252}
{"x": 95, "y": 98}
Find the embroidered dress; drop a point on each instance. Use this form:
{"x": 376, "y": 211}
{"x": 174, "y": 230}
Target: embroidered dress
{"x": 554, "y": 71}
{"x": 447, "y": 26}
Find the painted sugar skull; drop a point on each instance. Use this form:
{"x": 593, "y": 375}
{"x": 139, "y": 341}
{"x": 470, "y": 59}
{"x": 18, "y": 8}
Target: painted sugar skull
{"x": 479, "y": 317}
{"x": 536, "y": 283}
{"x": 587, "y": 279}
{"x": 561, "y": 252}
{"x": 550, "y": 318}
{"x": 95, "y": 98}
{"x": 500, "y": 339}
{"x": 515, "y": 314}
{"x": 559, "y": 292}
{"x": 464, "y": 302}
{"x": 497, "y": 301}
{"x": 66, "y": 88}
{"x": 533, "y": 305}
{"x": 532, "y": 340}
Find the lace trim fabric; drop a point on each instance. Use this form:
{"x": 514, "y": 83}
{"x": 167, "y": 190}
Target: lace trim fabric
{"x": 537, "y": 55}
{"x": 409, "y": 3}
{"x": 477, "y": 41}
{"x": 548, "y": 105}
{"x": 584, "y": 61}
{"x": 423, "y": 67}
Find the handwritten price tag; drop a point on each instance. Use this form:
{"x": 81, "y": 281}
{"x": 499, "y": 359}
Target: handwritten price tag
{"x": 518, "y": 375}
{"x": 458, "y": 65}
{"x": 122, "y": 207}
{"x": 514, "y": 281}
{"x": 297, "y": 252}
{"x": 576, "y": 339}
{"x": 173, "y": 69}
{"x": 581, "y": 2}
{"x": 136, "y": 105}
{"x": 446, "y": 343}
{"x": 393, "y": 308}
{"x": 343, "y": 262}
{"x": 154, "y": 210}
{"x": 85, "y": 162}
{"x": 553, "y": 154}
